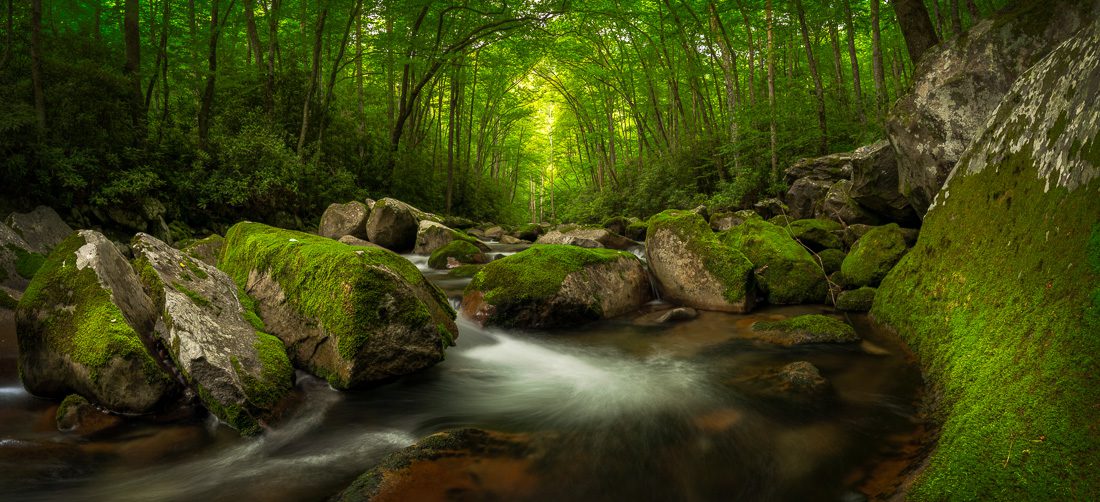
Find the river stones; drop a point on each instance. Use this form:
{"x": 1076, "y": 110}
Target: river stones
{"x": 76, "y": 415}
{"x": 431, "y": 236}
{"x": 80, "y": 326}
{"x": 351, "y": 315}
{"x": 550, "y": 286}
{"x": 873, "y": 255}
{"x": 339, "y": 220}
{"x": 455, "y": 253}
{"x": 393, "y": 225}
{"x": 798, "y": 384}
{"x": 585, "y": 237}
{"x": 239, "y": 372}
{"x": 692, "y": 267}
{"x": 804, "y": 330}
{"x": 785, "y": 271}
{"x": 856, "y": 300}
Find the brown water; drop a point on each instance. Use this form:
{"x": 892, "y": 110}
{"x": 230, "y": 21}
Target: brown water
{"x": 641, "y": 413}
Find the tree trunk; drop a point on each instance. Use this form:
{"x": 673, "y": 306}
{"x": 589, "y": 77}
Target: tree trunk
{"x": 916, "y": 26}
{"x": 956, "y": 18}
{"x": 975, "y": 14}
{"x": 854, "y": 57}
{"x": 727, "y": 72}
{"x": 132, "y": 37}
{"x": 876, "y": 57}
{"x": 834, "y": 40}
{"x": 314, "y": 77}
{"x": 334, "y": 72}
{"x": 272, "y": 15}
{"x": 771, "y": 92}
{"x": 752, "y": 55}
{"x": 819, "y": 91}
{"x": 36, "y": 67}
{"x": 207, "y": 105}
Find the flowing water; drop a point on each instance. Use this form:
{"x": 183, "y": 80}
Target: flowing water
{"x": 638, "y": 412}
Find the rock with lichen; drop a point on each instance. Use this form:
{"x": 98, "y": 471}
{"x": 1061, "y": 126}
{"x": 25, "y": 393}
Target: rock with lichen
{"x": 431, "y": 236}
{"x": 339, "y": 220}
{"x": 238, "y": 371}
{"x": 550, "y": 286}
{"x": 80, "y": 326}
{"x": 352, "y": 315}
{"x": 393, "y": 224}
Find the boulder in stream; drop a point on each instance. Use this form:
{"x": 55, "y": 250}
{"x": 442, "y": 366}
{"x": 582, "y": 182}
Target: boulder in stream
{"x": 785, "y": 271}
{"x": 344, "y": 219}
{"x": 80, "y": 329}
{"x": 873, "y": 255}
{"x": 585, "y": 237}
{"x": 351, "y": 315}
{"x": 804, "y": 330}
{"x": 550, "y": 286}
{"x": 431, "y": 236}
{"x": 393, "y": 225}
{"x": 457, "y": 253}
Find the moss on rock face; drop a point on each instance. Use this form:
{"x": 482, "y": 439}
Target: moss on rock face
{"x": 462, "y": 251}
{"x": 551, "y": 285}
{"x": 464, "y": 271}
{"x": 856, "y": 300}
{"x": 6, "y": 301}
{"x": 785, "y": 271}
{"x": 831, "y": 260}
{"x": 816, "y": 234}
{"x": 873, "y": 255}
{"x": 352, "y": 315}
{"x": 805, "y": 329}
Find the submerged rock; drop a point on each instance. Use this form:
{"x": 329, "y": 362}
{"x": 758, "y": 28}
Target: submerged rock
{"x": 344, "y": 219}
{"x": 693, "y": 268}
{"x": 393, "y": 225}
{"x": 873, "y": 255}
{"x": 351, "y": 315}
{"x": 785, "y": 271}
{"x": 80, "y": 326}
{"x": 856, "y": 300}
{"x": 550, "y": 286}
{"x": 805, "y": 329}
{"x": 1000, "y": 297}
{"x": 78, "y": 416}
{"x": 239, "y": 372}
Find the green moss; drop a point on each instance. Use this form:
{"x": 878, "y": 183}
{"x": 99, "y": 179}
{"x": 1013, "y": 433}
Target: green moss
{"x": 785, "y": 271}
{"x": 150, "y": 279}
{"x": 233, "y": 414}
{"x": 70, "y": 402}
{"x": 338, "y": 285}
{"x": 816, "y": 234}
{"x": 831, "y": 259}
{"x": 460, "y": 250}
{"x": 873, "y": 255}
{"x": 998, "y": 300}
{"x": 812, "y": 328}
{"x": 26, "y": 262}
{"x": 251, "y": 311}
{"x": 727, "y": 264}
{"x": 276, "y": 373}
{"x": 6, "y": 301}
{"x": 93, "y": 331}
{"x": 464, "y": 271}
{"x": 856, "y": 300}
{"x": 195, "y": 298}
{"x": 536, "y": 273}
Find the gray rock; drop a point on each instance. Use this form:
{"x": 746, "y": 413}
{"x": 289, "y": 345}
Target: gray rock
{"x": 351, "y": 240}
{"x": 805, "y": 196}
{"x": 832, "y": 168}
{"x": 207, "y": 250}
{"x": 586, "y": 238}
{"x": 431, "y": 236}
{"x": 839, "y": 206}
{"x": 770, "y": 208}
{"x": 239, "y": 372}
{"x": 17, "y": 262}
{"x": 393, "y": 225}
{"x": 875, "y": 183}
{"x": 720, "y": 222}
{"x": 958, "y": 84}
{"x": 41, "y": 229}
{"x": 344, "y": 219}
{"x": 494, "y": 233}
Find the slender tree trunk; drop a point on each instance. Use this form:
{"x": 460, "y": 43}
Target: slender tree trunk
{"x": 819, "y": 91}
{"x": 972, "y": 8}
{"x": 876, "y": 57}
{"x": 335, "y": 71}
{"x": 834, "y": 39}
{"x": 728, "y": 67}
{"x": 132, "y": 35}
{"x": 752, "y": 55}
{"x": 360, "y": 122}
{"x": 854, "y": 58}
{"x": 272, "y": 14}
{"x": 956, "y": 18}
{"x": 916, "y": 26}
{"x": 162, "y": 53}
{"x": 771, "y": 92}
{"x": 36, "y": 68}
{"x": 253, "y": 34}
{"x": 452, "y": 119}
{"x": 314, "y": 77}
{"x": 207, "y": 105}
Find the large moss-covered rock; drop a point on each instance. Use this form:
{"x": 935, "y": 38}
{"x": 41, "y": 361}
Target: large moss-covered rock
{"x": 239, "y": 372}
{"x": 80, "y": 325}
{"x": 856, "y": 300}
{"x": 958, "y": 84}
{"x": 549, "y": 286}
{"x": 18, "y": 262}
{"x": 804, "y": 330}
{"x": 873, "y": 255}
{"x": 431, "y": 236}
{"x": 816, "y": 234}
{"x": 785, "y": 271}
{"x": 456, "y": 253}
{"x": 693, "y": 268}
{"x": 393, "y": 224}
{"x": 352, "y": 315}
{"x": 344, "y": 219}
{"x": 1000, "y": 297}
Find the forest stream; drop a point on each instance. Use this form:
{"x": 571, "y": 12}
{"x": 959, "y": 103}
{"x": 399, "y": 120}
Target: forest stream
{"x": 636, "y": 411}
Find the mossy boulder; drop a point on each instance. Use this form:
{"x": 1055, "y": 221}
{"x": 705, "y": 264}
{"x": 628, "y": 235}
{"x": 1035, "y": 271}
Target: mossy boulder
{"x": 550, "y": 286}
{"x": 76, "y": 415}
{"x": 431, "y": 236}
{"x": 393, "y": 224}
{"x": 693, "y": 268}
{"x": 458, "y": 252}
{"x": 838, "y": 205}
{"x": 831, "y": 260}
{"x": 585, "y": 237}
{"x": 720, "y": 222}
{"x": 80, "y": 326}
{"x": 18, "y": 262}
{"x": 351, "y": 315}
{"x": 804, "y": 330}
{"x": 856, "y": 300}
{"x": 785, "y": 271}
{"x": 239, "y": 372}
{"x": 636, "y": 230}
{"x": 1000, "y": 297}
{"x": 873, "y": 255}
{"x": 816, "y": 234}
{"x": 616, "y": 224}
{"x": 529, "y": 232}
{"x": 464, "y": 271}
{"x": 207, "y": 250}
{"x": 339, "y": 220}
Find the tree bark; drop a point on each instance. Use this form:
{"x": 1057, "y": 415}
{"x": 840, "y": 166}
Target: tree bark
{"x": 253, "y": 34}
{"x": 975, "y": 14}
{"x": 752, "y": 55}
{"x": 36, "y": 68}
{"x": 335, "y": 71}
{"x": 132, "y": 37}
{"x": 314, "y": 76}
{"x": 819, "y": 91}
{"x": 834, "y": 40}
{"x": 854, "y": 58}
{"x": 771, "y": 92}
{"x": 206, "y": 108}
{"x": 956, "y": 18}
{"x": 876, "y": 58}
{"x": 916, "y": 26}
